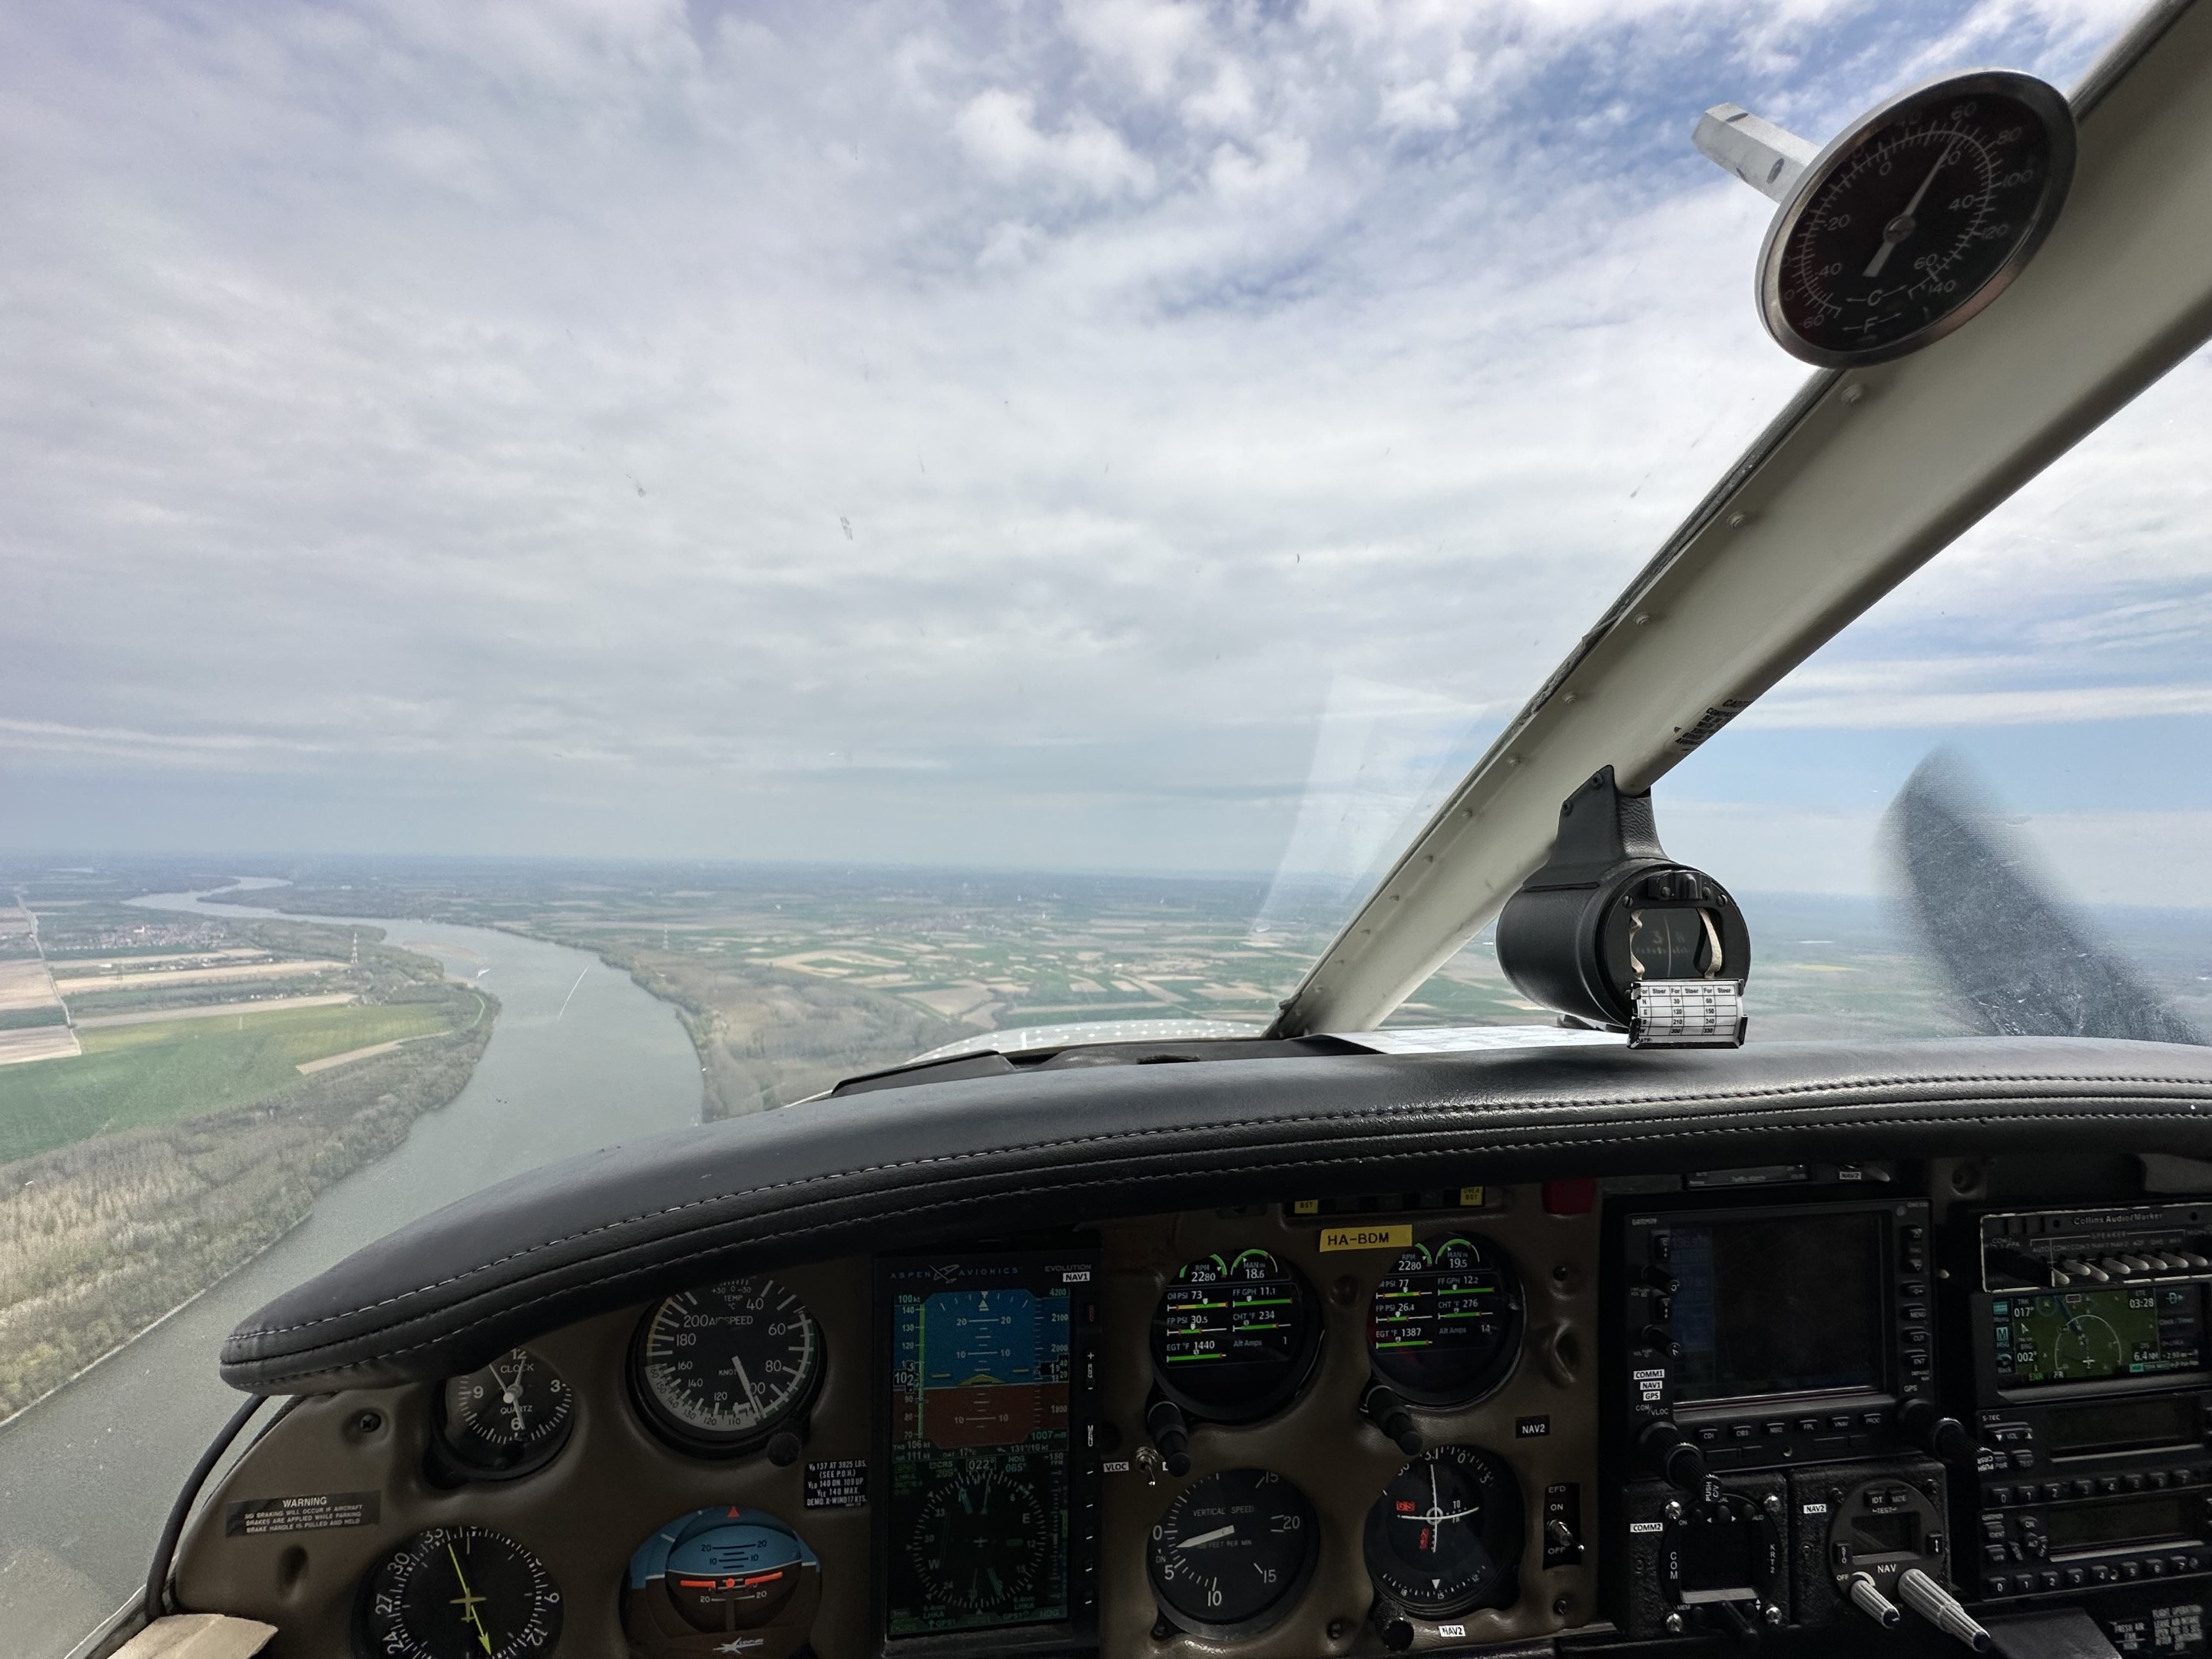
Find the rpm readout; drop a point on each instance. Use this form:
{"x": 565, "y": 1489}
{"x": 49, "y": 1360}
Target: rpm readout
{"x": 1235, "y": 1337}
{"x": 984, "y": 1482}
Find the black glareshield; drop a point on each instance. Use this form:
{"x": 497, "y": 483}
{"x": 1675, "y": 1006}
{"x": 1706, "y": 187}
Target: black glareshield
{"x": 1611, "y": 911}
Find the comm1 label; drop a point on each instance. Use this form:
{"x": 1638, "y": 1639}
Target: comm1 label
{"x": 1398, "y": 1238}
{"x": 259, "y": 1517}
{"x": 838, "y": 1484}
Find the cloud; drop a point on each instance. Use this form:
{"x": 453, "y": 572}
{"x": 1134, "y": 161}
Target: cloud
{"x": 909, "y": 432}
{"x": 998, "y": 130}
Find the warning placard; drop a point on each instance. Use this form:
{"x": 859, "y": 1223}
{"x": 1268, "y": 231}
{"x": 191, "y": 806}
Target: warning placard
{"x": 256, "y": 1517}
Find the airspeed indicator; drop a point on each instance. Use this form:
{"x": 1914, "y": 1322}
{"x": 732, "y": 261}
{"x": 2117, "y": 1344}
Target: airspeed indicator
{"x": 717, "y": 1371}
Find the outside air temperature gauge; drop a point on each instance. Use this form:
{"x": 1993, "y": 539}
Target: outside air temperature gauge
{"x": 1911, "y": 220}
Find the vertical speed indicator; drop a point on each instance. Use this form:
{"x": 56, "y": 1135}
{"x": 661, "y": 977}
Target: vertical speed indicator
{"x": 717, "y": 1372}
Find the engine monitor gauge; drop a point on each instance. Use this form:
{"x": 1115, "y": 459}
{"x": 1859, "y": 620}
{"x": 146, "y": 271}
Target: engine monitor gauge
{"x": 721, "y": 1572}
{"x": 457, "y": 1593}
{"x": 1446, "y": 1534}
{"x": 717, "y": 1371}
{"x": 1235, "y": 1337}
{"x": 1233, "y": 1553}
{"x": 1445, "y": 1329}
{"x": 508, "y": 1419}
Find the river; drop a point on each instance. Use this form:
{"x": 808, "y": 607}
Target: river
{"x": 580, "y": 1057}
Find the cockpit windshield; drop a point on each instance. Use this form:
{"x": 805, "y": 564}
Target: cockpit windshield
{"x": 575, "y": 568}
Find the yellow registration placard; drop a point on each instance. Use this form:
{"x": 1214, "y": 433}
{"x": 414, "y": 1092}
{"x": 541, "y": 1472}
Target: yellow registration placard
{"x": 1397, "y": 1237}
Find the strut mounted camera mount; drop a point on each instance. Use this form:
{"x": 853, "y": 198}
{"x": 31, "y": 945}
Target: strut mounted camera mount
{"x": 1613, "y": 933}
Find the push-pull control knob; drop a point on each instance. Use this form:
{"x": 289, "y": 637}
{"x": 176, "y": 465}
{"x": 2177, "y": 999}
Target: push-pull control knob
{"x": 1170, "y": 1432}
{"x": 1385, "y": 1409}
{"x": 1940, "y": 1609}
{"x": 1941, "y": 1438}
{"x": 1867, "y": 1598}
{"x": 1670, "y": 1455}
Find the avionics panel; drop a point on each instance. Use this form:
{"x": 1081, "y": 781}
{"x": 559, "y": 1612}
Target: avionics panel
{"x": 987, "y": 1379}
{"x": 1775, "y": 1334}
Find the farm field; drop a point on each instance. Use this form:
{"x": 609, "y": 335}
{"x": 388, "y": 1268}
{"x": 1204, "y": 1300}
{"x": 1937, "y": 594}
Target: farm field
{"x": 133, "y": 1076}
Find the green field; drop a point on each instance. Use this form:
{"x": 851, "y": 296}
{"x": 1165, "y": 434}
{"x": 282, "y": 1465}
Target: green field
{"x": 133, "y": 1075}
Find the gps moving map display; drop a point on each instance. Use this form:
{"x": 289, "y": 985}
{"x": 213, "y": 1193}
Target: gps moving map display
{"x": 982, "y": 1415}
{"x": 1783, "y": 1305}
{"x": 2086, "y": 1336}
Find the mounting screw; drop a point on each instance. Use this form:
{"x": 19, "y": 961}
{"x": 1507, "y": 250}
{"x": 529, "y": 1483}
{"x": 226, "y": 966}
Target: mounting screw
{"x": 1673, "y": 1622}
{"x": 1854, "y": 394}
{"x": 1338, "y": 1629}
{"x": 366, "y": 1422}
{"x": 1642, "y": 618}
{"x": 1772, "y": 1613}
{"x": 1737, "y": 520}
{"x": 1560, "y": 1607}
{"x": 1773, "y": 1504}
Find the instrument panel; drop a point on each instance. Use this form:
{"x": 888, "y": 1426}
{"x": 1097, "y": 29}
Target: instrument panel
{"x": 961, "y": 1451}
{"x": 1642, "y": 1410}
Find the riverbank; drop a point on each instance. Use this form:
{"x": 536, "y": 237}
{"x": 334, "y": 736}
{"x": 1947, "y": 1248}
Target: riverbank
{"x": 580, "y": 1057}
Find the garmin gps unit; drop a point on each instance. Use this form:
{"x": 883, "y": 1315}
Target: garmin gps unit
{"x": 1759, "y": 1338}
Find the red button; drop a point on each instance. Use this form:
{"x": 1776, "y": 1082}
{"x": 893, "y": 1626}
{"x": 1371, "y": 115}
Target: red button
{"x": 1569, "y": 1197}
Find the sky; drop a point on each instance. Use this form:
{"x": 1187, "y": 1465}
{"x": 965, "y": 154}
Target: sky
{"x": 1004, "y": 434}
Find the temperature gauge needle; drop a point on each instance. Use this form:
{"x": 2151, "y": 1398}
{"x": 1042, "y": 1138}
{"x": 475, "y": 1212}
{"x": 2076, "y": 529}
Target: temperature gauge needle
{"x": 1904, "y": 224}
